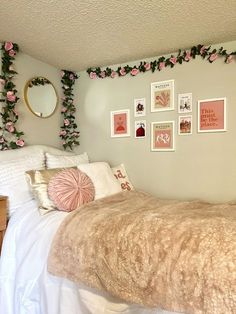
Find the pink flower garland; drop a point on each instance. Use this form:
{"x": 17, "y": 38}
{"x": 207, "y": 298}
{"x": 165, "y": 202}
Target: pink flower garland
{"x": 163, "y": 62}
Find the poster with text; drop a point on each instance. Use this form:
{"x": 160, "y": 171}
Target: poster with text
{"x": 212, "y": 115}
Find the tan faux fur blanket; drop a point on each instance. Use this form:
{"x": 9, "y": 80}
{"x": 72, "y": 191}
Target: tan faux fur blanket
{"x": 179, "y": 256}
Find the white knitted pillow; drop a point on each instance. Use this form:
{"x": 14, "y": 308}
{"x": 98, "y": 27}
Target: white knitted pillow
{"x": 53, "y": 161}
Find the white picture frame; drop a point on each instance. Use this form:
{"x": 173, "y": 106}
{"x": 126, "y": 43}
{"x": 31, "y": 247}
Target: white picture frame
{"x": 139, "y": 107}
{"x": 185, "y": 125}
{"x": 185, "y": 103}
{"x": 162, "y": 96}
{"x": 120, "y": 123}
{"x": 163, "y": 136}
{"x": 140, "y": 129}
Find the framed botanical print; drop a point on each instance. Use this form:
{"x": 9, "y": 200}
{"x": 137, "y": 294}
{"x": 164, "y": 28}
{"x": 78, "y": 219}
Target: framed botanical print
{"x": 162, "y": 96}
{"x": 162, "y": 136}
{"x": 139, "y": 107}
{"x": 120, "y": 123}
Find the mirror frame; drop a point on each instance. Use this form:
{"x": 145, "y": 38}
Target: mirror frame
{"x": 27, "y": 100}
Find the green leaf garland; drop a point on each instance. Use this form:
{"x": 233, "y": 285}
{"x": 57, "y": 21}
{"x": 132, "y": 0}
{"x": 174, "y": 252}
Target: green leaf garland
{"x": 157, "y": 65}
{"x": 68, "y": 133}
{"x": 10, "y": 137}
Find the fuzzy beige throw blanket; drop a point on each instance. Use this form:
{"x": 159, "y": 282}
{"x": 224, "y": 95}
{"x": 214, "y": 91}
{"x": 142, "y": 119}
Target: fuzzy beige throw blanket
{"x": 179, "y": 256}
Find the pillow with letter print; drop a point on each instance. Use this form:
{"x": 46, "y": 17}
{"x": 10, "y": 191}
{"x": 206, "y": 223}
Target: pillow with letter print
{"x": 121, "y": 175}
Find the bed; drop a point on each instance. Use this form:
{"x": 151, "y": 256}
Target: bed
{"x": 28, "y": 285}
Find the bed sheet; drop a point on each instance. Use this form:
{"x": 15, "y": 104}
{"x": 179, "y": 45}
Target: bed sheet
{"x": 25, "y": 285}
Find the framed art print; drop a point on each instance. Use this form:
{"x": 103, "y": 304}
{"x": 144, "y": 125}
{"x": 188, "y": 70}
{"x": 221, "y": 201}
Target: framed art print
{"x": 139, "y": 107}
{"x": 162, "y": 96}
{"x": 162, "y": 136}
{"x": 120, "y": 123}
{"x": 140, "y": 129}
{"x": 185, "y": 125}
{"x": 185, "y": 103}
{"x": 212, "y": 115}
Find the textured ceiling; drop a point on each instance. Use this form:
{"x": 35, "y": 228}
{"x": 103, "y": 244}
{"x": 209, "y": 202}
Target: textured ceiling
{"x": 77, "y": 34}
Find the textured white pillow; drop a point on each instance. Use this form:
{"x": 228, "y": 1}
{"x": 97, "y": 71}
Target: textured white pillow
{"x": 104, "y": 182}
{"x": 53, "y": 161}
{"x": 12, "y": 178}
{"x": 122, "y": 177}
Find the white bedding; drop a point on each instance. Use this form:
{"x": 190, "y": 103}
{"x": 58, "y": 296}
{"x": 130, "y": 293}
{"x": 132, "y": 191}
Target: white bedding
{"x": 25, "y": 285}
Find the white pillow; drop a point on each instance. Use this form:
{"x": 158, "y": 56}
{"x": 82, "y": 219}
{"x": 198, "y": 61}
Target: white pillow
{"x": 54, "y": 161}
{"x": 102, "y": 177}
{"x": 122, "y": 177}
{"x": 12, "y": 178}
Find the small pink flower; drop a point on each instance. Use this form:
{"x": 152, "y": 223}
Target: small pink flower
{"x": 113, "y": 74}
{"x": 202, "y": 50}
{"x": 1, "y": 140}
{"x": 93, "y": 75}
{"x": 66, "y": 122}
{"x": 213, "y": 57}
{"x": 11, "y": 68}
{"x": 162, "y": 65}
{"x": 64, "y": 143}
{"x": 173, "y": 60}
{"x": 10, "y": 96}
{"x": 122, "y": 72}
{"x": 71, "y": 77}
{"x": 12, "y": 53}
{"x": 229, "y": 59}
{"x": 147, "y": 66}
{"x": 63, "y": 132}
{"x": 2, "y": 81}
{"x": 62, "y": 73}
{"x": 20, "y": 142}
{"x": 134, "y": 71}
{"x": 15, "y": 112}
{"x": 187, "y": 56}
{"x": 10, "y": 127}
{"x": 8, "y": 45}
{"x": 103, "y": 74}
{"x": 64, "y": 109}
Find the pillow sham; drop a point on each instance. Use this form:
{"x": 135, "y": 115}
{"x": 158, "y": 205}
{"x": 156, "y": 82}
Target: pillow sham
{"x": 13, "y": 183}
{"x": 55, "y": 161}
{"x": 70, "y": 188}
{"x": 122, "y": 177}
{"x": 103, "y": 179}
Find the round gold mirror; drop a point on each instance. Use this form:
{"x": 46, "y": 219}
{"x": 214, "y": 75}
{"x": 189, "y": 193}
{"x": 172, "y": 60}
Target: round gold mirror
{"x": 41, "y": 97}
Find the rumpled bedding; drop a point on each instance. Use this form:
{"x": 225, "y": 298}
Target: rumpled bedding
{"x": 179, "y": 256}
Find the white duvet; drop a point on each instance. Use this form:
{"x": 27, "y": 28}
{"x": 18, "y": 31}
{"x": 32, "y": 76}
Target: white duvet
{"x": 25, "y": 285}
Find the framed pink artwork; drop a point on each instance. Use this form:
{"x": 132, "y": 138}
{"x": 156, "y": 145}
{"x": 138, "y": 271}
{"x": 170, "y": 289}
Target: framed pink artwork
{"x": 212, "y": 115}
{"x": 162, "y": 96}
{"x": 162, "y": 136}
{"x": 120, "y": 123}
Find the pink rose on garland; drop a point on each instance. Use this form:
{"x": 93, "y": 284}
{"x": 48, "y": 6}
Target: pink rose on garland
{"x": 122, "y": 71}
{"x": 162, "y": 65}
{"x": 10, "y": 127}
{"x": 93, "y": 75}
{"x": 113, "y": 74}
{"x": 64, "y": 109}
{"x": 213, "y": 57}
{"x": 63, "y": 132}
{"x": 15, "y": 112}
{"x": 8, "y": 45}
{"x": 2, "y": 81}
{"x": 66, "y": 122}
{"x": 202, "y": 50}
{"x": 12, "y": 53}
{"x": 103, "y": 74}
{"x": 10, "y": 96}
{"x": 173, "y": 60}
{"x": 134, "y": 71}
{"x": 147, "y": 66}
{"x": 187, "y": 56}
{"x": 229, "y": 58}
{"x": 62, "y": 73}
{"x": 20, "y": 142}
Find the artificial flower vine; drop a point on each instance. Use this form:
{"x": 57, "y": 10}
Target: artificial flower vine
{"x": 68, "y": 133}
{"x": 157, "y": 65}
{"x": 10, "y": 138}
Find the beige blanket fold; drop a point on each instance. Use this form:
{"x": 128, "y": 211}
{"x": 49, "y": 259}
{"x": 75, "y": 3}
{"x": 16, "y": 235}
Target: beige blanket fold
{"x": 178, "y": 256}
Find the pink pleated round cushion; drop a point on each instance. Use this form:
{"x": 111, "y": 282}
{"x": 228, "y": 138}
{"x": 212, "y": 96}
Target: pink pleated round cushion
{"x": 70, "y": 188}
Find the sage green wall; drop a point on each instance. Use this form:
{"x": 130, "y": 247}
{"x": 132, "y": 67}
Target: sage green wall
{"x": 203, "y": 165}
{"x": 37, "y": 130}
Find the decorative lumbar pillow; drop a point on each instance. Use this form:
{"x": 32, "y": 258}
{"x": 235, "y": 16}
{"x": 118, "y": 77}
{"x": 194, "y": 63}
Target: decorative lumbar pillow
{"x": 12, "y": 178}
{"x": 55, "y": 161}
{"x": 121, "y": 175}
{"x": 103, "y": 179}
{"x": 70, "y": 188}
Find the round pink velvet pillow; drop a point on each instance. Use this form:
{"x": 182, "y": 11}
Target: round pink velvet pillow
{"x": 70, "y": 188}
